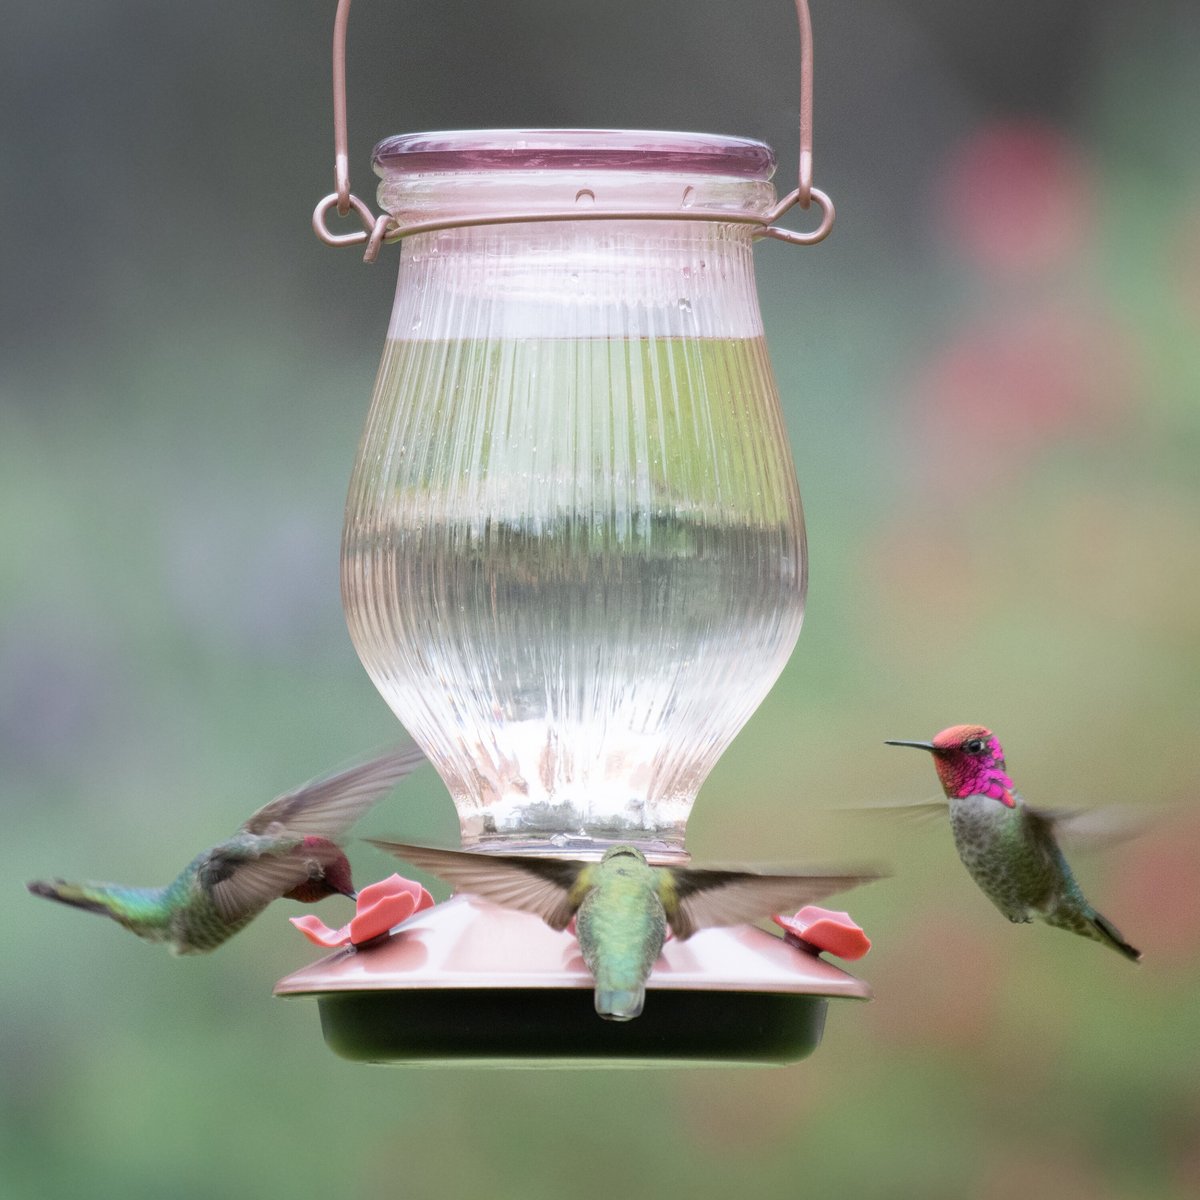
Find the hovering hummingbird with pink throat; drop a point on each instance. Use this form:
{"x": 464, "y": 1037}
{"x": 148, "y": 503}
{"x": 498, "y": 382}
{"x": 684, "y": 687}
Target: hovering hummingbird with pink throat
{"x": 1010, "y": 848}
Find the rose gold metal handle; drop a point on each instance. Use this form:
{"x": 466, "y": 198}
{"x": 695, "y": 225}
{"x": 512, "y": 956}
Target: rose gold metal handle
{"x": 379, "y": 229}
{"x": 805, "y": 187}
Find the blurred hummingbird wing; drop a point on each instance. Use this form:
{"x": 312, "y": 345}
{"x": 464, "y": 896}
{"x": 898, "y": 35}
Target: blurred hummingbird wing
{"x": 1091, "y": 828}
{"x": 240, "y": 881}
{"x": 551, "y": 888}
{"x": 696, "y": 899}
{"x": 907, "y": 810}
{"x": 327, "y": 807}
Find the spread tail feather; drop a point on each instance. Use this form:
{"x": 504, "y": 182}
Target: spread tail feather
{"x": 615, "y": 1004}
{"x": 77, "y": 895}
{"x": 1105, "y": 931}
{"x": 140, "y": 910}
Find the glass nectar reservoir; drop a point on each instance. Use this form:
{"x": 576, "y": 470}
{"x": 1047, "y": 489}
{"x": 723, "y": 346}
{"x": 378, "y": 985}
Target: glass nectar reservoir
{"x": 574, "y": 558}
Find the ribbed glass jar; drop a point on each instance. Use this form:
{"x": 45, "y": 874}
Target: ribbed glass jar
{"x": 573, "y": 558}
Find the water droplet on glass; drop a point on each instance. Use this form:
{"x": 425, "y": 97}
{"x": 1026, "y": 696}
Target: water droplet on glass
{"x": 689, "y": 194}
{"x": 585, "y": 197}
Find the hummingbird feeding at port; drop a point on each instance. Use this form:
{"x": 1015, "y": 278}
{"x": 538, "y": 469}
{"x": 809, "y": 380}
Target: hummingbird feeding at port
{"x": 288, "y": 848}
{"x": 1010, "y": 848}
{"x": 622, "y": 905}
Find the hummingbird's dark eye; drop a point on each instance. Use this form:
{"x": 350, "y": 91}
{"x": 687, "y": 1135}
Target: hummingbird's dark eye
{"x": 975, "y": 746}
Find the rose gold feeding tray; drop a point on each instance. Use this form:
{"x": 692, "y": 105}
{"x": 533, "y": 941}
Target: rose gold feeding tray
{"x": 469, "y": 983}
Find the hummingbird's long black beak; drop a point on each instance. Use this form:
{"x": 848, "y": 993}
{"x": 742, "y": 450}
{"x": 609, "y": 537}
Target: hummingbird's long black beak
{"x": 919, "y": 745}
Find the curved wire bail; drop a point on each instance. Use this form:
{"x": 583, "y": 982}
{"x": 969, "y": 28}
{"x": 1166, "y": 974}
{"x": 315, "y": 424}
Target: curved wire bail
{"x": 822, "y": 231}
{"x": 341, "y": 140}
{"x": 376, "y": 230}
{"x": 342, "y": 198}
{"x": 804, "y": 188}
{"x": 334, "y": 200}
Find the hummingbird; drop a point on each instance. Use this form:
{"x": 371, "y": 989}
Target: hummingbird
{"x": 622, "y": 905}
{"x": 287, "y": 848}
{"x": 1009, "y": 847}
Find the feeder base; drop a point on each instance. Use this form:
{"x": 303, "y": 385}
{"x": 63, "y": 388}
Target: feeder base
{"x": 466, "y": 983}
{"x": 558, "y": 1027}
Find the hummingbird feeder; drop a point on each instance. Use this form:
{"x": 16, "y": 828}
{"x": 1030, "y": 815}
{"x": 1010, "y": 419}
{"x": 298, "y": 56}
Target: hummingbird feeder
{"x": 573, "y": 563}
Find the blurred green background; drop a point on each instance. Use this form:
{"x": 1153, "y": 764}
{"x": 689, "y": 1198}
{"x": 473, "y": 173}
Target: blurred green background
{"x": 992, "y": 380}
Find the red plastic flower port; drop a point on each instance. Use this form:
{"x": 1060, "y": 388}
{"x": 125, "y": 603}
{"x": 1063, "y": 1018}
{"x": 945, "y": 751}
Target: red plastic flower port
{"x": 816, "y": 929}
{"x": 380, "y": 906}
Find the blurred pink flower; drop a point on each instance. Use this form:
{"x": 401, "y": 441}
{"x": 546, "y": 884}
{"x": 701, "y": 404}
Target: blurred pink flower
{"x": 1017, "y": 197}
{"x": 380, "y": 906}
{"x": 997, "y": 394}
{"x": 821, "y": 929}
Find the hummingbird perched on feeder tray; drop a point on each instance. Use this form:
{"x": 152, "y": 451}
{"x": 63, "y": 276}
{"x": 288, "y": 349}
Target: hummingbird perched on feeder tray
{"x": 287, "y": 848}
{"x": 622, "y": 905}
{"x": 1010, "y": 848}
